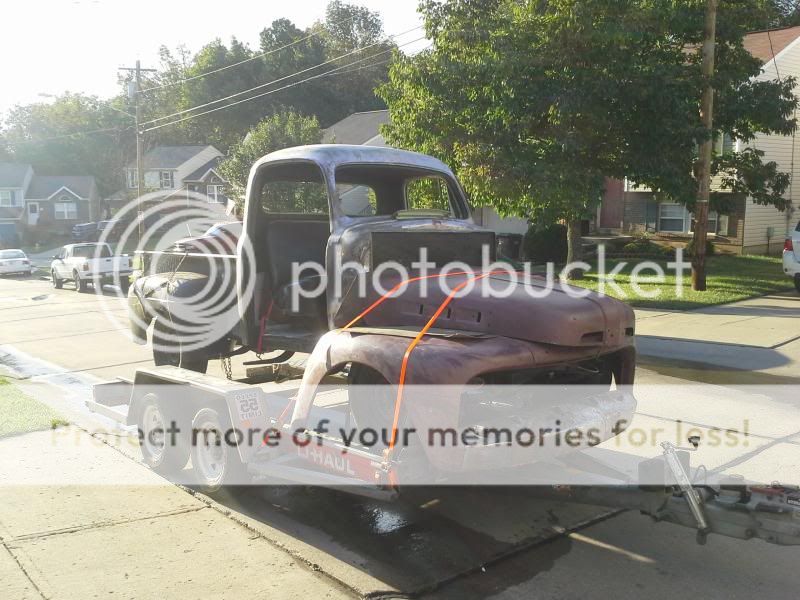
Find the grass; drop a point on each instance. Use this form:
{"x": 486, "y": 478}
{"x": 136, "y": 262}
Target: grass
{"x": 19, "y": 413}
{"x": 728, "y": 279}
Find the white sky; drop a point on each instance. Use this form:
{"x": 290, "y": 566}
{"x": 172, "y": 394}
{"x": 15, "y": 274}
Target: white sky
{"x": 51, "y": 46}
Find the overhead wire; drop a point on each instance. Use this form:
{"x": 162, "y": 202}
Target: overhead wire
{"x": 246, "y": 60}
{"x": 285, "y": 77}
{"x": 267, "y": 93}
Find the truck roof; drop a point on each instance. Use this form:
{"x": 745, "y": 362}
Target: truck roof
{"x": 85, "y": 244}
{"x": 333, "y": 155}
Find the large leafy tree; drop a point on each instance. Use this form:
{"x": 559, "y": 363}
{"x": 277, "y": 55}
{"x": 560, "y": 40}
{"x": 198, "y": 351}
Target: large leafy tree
{"x": 74, "y": 134}
{"x": 535, "y": 102}
{"x": 281, "y": 130}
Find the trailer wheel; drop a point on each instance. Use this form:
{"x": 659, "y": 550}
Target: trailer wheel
{"x": 216, "y": 463}
{"x": 372, "y": 407}
{"x": 164, "y": 452}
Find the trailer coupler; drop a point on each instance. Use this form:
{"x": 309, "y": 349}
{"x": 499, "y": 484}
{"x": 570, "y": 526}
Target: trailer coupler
{"x": 731, "y": 507}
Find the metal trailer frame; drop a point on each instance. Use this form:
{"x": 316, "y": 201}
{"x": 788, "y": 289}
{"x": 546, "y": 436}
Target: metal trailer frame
{"x": 735, "y": 509}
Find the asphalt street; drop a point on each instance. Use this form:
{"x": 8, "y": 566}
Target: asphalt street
{"x": 454, "y": 542}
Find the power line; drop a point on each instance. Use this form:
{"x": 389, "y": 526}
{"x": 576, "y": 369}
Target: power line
{"x": 234, "y": 95}
{"x": 293, "y": 84}
{"x": 246, "y": 60}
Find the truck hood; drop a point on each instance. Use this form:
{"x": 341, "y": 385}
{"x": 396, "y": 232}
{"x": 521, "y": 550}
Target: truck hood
{"x": 528, "y": 310}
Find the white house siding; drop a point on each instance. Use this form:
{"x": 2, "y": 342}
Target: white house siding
{"x": 759, "y": 219}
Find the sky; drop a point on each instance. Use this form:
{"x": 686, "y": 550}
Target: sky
{"x": 52, "y": 46}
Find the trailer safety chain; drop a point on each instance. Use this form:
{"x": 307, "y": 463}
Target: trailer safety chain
{"x": 226, "y": 367}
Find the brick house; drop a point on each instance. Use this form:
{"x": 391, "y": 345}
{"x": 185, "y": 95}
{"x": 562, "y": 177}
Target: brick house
{"x": 749, "y": 228}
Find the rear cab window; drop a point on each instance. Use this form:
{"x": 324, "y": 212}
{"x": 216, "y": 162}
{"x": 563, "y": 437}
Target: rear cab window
{"x": 90, "y": 251}
{"x": 400, "y": 191}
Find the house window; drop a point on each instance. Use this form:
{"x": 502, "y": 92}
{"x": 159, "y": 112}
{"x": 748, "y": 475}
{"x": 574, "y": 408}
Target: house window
{"x": 672, "y": 217}
{"x": 215, "y": 193}
{"x": 8, "y": 198}
{"x": 132, "y": 179}
{"x": 166, "y": 179}
{"x": 66, "y": 211}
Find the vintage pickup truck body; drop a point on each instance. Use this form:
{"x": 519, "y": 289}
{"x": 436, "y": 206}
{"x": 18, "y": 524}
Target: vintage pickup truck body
{"x": 331, "y": 205}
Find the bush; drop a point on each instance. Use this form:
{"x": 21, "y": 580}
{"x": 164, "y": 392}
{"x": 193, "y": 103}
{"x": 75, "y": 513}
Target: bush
{"x": 546, "y": 244}
{"x": 642, "y": 246}
{"x": 710, "y": 249}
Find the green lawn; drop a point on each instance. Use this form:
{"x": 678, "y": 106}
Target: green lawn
{"x": 728, "y": 279}
{"x": 19, "y": 413}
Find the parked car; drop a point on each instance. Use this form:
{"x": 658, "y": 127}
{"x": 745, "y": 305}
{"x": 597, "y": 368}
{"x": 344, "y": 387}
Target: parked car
{"x": 84, "y": 232}
{"x": 15, "y": 262}
{"x": 220, "y": 238}
{"x": 86, "y": 264}
{"x": 791, "y": 257}
{"x": 111, "y": 229}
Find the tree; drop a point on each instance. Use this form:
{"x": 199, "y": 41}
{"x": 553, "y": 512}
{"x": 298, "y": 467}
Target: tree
{"x": 535, "y": 103}
{"x": 75, "y": 134}
{"x": 281, "y": 130}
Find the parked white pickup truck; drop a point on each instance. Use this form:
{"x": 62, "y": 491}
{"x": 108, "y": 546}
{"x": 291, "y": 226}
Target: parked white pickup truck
{"x": 90, "y": 263}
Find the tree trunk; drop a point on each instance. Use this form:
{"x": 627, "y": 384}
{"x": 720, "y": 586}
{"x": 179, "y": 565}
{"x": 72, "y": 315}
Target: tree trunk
{"x": 574, "y": 248}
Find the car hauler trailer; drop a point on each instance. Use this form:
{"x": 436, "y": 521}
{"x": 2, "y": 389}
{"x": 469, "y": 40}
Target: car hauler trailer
{"x": 163, "y": 398}
{"x": 393, "y": 351}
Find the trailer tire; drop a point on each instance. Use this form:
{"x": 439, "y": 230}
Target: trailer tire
{"x": 164, "y": 457}
{"x": 216, "y": 464}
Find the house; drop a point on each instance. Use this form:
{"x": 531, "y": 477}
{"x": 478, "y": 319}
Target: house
{"x": 41, "y": 205}
{"x": 363, "y": 128}
{"x": 181, "y": 172}
{"x": 749, "y": 228}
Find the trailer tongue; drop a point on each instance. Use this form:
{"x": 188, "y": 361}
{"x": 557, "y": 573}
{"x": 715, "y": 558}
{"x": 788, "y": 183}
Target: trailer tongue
{"x": 313, "y": 456}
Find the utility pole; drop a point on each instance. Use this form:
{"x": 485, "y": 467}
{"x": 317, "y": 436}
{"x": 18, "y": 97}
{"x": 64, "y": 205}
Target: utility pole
{"x": 133, "y": 94}
{"x": 704, "y": 160}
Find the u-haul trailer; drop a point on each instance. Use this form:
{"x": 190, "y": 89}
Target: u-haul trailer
{"x": 165, "y": 397}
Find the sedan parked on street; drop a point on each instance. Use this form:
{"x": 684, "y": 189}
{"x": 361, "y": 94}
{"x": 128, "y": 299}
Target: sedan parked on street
{"x": 791, "y": 257}
{"x": 15, "y": 262}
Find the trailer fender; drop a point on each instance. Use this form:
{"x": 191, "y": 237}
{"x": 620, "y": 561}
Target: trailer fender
{"x": 335, "y": 349}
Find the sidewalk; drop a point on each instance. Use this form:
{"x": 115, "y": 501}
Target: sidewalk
{"x": 756, "y": 335}
{"x": 144, "y": 539}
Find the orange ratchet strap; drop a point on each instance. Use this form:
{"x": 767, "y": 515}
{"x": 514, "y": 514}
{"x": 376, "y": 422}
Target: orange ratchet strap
{"x": 404, "y": 365}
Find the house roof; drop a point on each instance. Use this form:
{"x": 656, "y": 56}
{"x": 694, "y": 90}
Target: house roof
{"x": 358, "y": 128}
{"x": 44, "y": 186}
{"x": 197, "y": 175}
{"x": 168, "y": 157}
{"x": 12, "y": 175}
{"x": 766, "y": 44}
